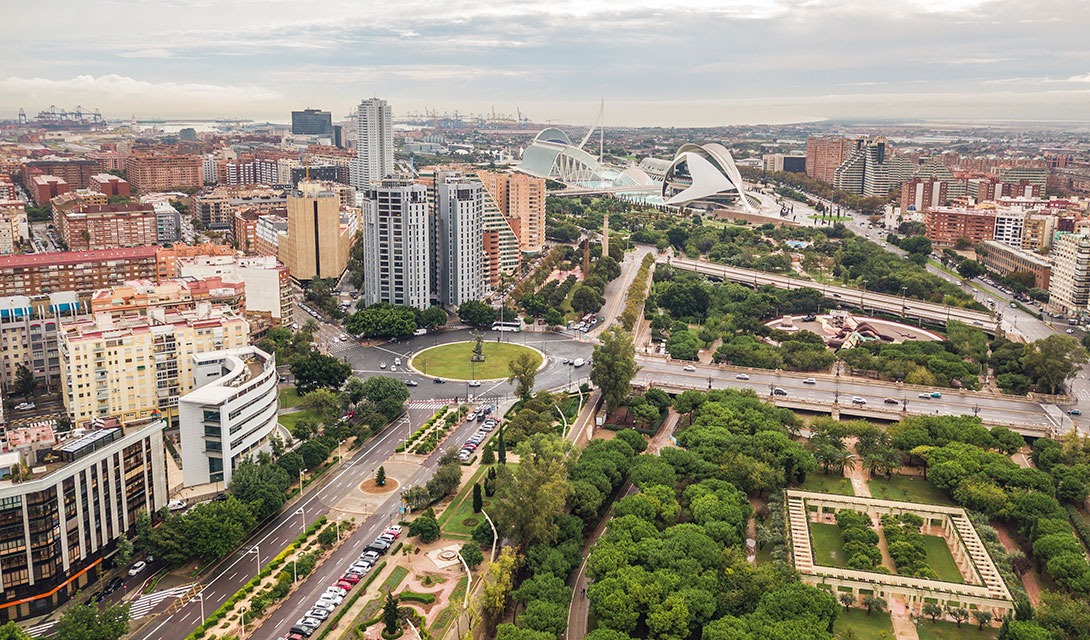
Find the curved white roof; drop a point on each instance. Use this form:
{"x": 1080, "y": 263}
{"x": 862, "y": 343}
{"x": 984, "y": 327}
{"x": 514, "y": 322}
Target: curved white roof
{"x": 704, "y": 173}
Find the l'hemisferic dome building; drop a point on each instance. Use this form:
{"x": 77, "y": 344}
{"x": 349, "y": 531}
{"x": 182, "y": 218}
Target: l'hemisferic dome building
{"x": 704, "y": 176}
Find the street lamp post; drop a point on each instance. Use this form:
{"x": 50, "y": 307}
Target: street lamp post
{"x": 469, "y": 585}
{"x": 256, "y": 549}
{"x": 904, "y": 290}
{"x": 495, "y": 535}
{"x": 861, "y": 294}
{"x": 301, "y": 472}
{"x": 242, "y": 614}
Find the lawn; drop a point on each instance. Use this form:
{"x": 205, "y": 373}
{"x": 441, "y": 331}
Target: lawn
{"x": 461, "y": 508}
{"x": 447, "y": 615}
{"x": 454, "y": 360}
{"x": 828, "y": 545}
{"x": 821, "y": 483}
{"x": 876, "y": 626}
{"x": 289, "y": 419}
{"x": 941, "y": 560}
{"x": 943, "y": 630}
{"x": 289, "y": 397}
{"x": 908, "y": 489}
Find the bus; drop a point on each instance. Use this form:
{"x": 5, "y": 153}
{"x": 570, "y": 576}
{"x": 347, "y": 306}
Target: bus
{"x": 515, "y": 326}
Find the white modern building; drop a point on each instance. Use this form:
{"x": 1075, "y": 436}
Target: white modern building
{"x": 168, "y": 222}
{"x": 1009, "y": 227}
{"x": 396, "y": 263}
{"x": 1069, "y": 288}
{"x": 459, "y": 227}
{"x": 230, "y": 414}
{"x": 374, "y": 143}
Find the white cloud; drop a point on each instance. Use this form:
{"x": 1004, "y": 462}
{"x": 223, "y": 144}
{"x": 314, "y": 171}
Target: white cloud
{"x": 148, "y": 53}
{"x": 121, "y": 94}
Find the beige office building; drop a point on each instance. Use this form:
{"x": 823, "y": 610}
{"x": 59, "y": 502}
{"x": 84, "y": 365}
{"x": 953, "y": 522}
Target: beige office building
{"x": 135, "y": 366}
{"x": 521, "y": 199}
{"x": 316, "y": 246}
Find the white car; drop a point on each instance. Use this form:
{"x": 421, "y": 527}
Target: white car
{"x": 474, "y": 383}
{"x": 324, "y": 606}
{"x": 578, "y": 362}
{"x": 858, "y": 400}
{"x": 689, "y": 367}
{"x": 809, "y": 381}
{"x": 344, "y": 337}
{"x": 331, "y": 597}
{"x": 397, "y": 362}
{"x": 317, "y": 614}
{"x": 382, "y": 365}
{"x": 24, "y": 406}
{"x": 742, "y": 376}
{"x": 137, "y": 567}
{"x": 176, "y": 505}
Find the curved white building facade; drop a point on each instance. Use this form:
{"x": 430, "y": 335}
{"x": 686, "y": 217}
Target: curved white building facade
{"x": 230, "y": 415}
{"x": 552, "y": 155}
{"x": 704, "y": 176}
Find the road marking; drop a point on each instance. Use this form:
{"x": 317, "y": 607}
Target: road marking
{"x": 245, "y": 550}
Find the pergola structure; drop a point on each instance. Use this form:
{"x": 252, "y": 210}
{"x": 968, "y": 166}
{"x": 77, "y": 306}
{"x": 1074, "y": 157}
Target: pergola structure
{"x": 984, "y": 588}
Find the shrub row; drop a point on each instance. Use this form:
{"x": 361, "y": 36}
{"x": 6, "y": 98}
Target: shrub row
{"x": 249, "y": 587}
{"x": 431, "y": 440}
{"x": 860, "y": 541}
{"x": 906, "y": 545}
{"x": 637, "y": 294}
{"x": 423, "y": 429}
{"x": 413, "y": 596}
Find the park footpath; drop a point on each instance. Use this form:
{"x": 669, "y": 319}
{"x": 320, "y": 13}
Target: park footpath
{"x": 903, "y": 626}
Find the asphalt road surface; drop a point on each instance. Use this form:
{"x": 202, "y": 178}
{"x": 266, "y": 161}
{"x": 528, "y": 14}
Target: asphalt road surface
{"x": 829, "y": 389}
{"x": 233, "y": 571}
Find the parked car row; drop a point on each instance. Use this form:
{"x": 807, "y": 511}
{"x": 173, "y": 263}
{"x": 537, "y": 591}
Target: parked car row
{"x": 335, "y": 594}
{"x": 477, "y": 438}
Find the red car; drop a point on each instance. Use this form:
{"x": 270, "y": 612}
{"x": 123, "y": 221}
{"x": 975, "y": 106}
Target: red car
{"x": 347, "y": 586}
{"x": 350, "y": 578}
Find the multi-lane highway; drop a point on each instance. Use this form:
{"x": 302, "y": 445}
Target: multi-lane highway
{"x": 907, "y": 308}
{"x": 320, "y": 499}
{"x": 831, "y": 390}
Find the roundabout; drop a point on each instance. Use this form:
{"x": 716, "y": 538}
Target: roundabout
{"x": 454, "y": 361}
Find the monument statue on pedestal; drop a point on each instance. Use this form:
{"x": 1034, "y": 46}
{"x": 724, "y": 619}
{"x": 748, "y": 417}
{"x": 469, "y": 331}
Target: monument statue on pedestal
{"x": 478, "y": 349}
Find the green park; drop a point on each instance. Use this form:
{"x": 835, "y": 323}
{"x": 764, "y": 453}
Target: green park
{"x": 455, "y": 360}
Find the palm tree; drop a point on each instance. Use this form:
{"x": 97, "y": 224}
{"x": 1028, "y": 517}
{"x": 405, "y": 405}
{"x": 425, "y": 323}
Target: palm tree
{"x": 845, "y": 459}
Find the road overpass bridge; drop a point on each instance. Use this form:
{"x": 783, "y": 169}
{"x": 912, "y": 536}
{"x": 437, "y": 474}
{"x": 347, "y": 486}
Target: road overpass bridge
{"x": 896, "y": 305}
{"x": 839, "y": 396}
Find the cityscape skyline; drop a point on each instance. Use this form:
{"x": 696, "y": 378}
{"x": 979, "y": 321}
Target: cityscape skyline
{"x": 710, "y": 63}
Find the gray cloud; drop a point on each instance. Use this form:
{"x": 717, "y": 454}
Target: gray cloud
{"x": 698, "y": 62}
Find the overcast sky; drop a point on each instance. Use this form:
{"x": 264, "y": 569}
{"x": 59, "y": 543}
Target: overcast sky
{"x": 655, "y": 62}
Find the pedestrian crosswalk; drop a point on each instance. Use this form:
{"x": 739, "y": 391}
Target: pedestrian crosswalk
{"x": 41, "y": 630}
{"x": 336, "y": 347}
{"x": 145, "y": 603}
{"x": 435, "y": 403}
